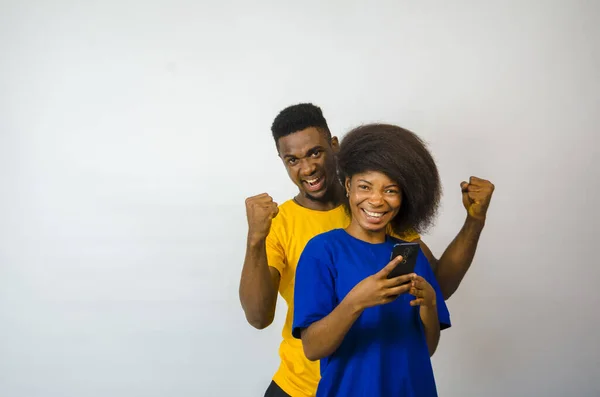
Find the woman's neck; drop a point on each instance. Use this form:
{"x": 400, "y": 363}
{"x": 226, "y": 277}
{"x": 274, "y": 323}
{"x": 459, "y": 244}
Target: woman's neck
{"x": 373, "y": 237}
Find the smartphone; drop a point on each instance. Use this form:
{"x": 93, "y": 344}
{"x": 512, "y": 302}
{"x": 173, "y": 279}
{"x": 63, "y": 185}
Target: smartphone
{"x": 409, "y": 252}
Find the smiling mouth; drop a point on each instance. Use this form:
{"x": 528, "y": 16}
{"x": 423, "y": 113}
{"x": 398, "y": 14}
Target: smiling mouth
{"x": 375, "y": 216}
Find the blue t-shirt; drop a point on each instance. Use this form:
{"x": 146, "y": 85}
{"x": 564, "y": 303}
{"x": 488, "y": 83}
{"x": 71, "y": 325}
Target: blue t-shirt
{"x": 385, "y": 351}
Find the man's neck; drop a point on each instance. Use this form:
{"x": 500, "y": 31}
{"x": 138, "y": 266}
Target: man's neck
{"x": 333, "y": 200}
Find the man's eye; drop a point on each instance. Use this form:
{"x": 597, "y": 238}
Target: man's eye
{"x": 315, "y": 154}
{"x": 292, "y": 161}
{"x": 363, "y": 187}
{"x": 391, "y": 191}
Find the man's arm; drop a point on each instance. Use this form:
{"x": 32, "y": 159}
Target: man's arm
{"x": 454, "y": 263}
{"x": 258, "y": 285}
{"x": 259, "y": 282}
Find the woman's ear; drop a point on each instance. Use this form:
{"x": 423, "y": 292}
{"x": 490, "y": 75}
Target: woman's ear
{"x": 347, "y": 186}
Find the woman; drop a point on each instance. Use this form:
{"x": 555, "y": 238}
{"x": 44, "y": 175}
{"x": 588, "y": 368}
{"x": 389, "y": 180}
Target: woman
{"x": 374, "y": 335}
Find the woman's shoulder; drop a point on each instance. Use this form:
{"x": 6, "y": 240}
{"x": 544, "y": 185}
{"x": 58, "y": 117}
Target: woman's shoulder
{"x": 325, "y": 244}
{"x": 394, "y": 239}
{"x": 326, "y": 238}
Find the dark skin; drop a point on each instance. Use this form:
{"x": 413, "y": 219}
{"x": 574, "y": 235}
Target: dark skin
{"x": 454, "y": 263}
{"x": 376, "y": 193}
{"x": 307, "y": 155}
{"x": 310, "y": 154}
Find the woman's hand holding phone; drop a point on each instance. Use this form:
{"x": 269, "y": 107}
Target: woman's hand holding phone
{"x": 378, "y": 289}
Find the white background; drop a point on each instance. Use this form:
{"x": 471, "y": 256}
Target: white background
{"x": 131, "y": 131}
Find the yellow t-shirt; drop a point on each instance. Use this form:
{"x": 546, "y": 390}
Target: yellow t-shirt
{"x": 291, "y": 229}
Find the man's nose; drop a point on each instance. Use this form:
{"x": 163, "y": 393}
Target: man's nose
{"x": 307, "y": 167}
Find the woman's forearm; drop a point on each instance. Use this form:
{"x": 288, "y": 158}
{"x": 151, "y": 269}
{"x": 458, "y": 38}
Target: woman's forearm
{"x": 431, "y": 323}
{"x": 322, "y": 338}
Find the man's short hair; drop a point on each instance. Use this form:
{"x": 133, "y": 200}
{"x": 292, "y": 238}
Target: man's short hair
{"x": 297, "y": 118}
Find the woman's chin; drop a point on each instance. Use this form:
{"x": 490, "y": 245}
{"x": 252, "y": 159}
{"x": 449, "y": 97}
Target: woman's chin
{"x": 374, "y": 228}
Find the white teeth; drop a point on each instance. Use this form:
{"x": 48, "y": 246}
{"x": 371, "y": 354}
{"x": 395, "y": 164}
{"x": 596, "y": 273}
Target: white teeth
{"x": 374, "y": 214}
{"x": 312, "y": 181}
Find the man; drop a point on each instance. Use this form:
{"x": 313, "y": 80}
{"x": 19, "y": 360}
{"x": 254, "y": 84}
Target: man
{"x": 277, "y": 236}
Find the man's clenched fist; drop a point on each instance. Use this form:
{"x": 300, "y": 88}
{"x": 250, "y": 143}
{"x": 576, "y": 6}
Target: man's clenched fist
{"x": 476, "y": 195}
{"x": 260, "y": 211}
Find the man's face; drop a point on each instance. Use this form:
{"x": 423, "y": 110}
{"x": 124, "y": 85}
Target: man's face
{"x": 309, "y": 158}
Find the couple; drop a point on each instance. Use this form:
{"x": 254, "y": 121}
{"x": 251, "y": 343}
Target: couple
{"x": 372, "y": 335}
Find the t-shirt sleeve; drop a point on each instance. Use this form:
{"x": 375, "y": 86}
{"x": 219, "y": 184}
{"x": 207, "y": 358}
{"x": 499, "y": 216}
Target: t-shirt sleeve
{"x": 426, "y": 272}
{"x": 314, "y": 289}
{"x": 408, "y": 235}
{"x": 275, "y": 252}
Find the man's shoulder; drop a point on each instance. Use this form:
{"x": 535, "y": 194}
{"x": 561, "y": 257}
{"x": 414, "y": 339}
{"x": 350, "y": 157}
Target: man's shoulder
{"x": 286, "y": 212}
{"x": 288, "y": 207}
{"x": 407, "y": 235}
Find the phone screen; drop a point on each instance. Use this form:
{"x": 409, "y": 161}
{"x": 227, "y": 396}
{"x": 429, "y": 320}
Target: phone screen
{"x": 409, "y": 252}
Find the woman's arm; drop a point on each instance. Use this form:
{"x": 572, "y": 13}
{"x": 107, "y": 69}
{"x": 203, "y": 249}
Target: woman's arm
{"x": 431, "y": 323}
{"x": 322, "y": 338}
{"x": 426, "y": 298}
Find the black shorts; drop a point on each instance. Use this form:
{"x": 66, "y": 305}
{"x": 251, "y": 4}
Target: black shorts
{"x": 275, "y": 391}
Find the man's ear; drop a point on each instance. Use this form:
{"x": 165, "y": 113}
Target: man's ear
{"x": 277, "y": 147}
{"x": 335, "y": 144}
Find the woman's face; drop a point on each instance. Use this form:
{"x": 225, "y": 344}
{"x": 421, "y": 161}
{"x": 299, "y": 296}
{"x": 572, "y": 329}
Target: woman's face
{"x": 374, "y": 199}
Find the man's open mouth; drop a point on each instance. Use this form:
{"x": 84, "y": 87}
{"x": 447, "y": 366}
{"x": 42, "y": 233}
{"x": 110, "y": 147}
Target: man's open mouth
{"x": 314, "y": 184}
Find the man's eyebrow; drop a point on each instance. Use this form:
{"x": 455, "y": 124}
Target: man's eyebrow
{"x": 312, "y": 149}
